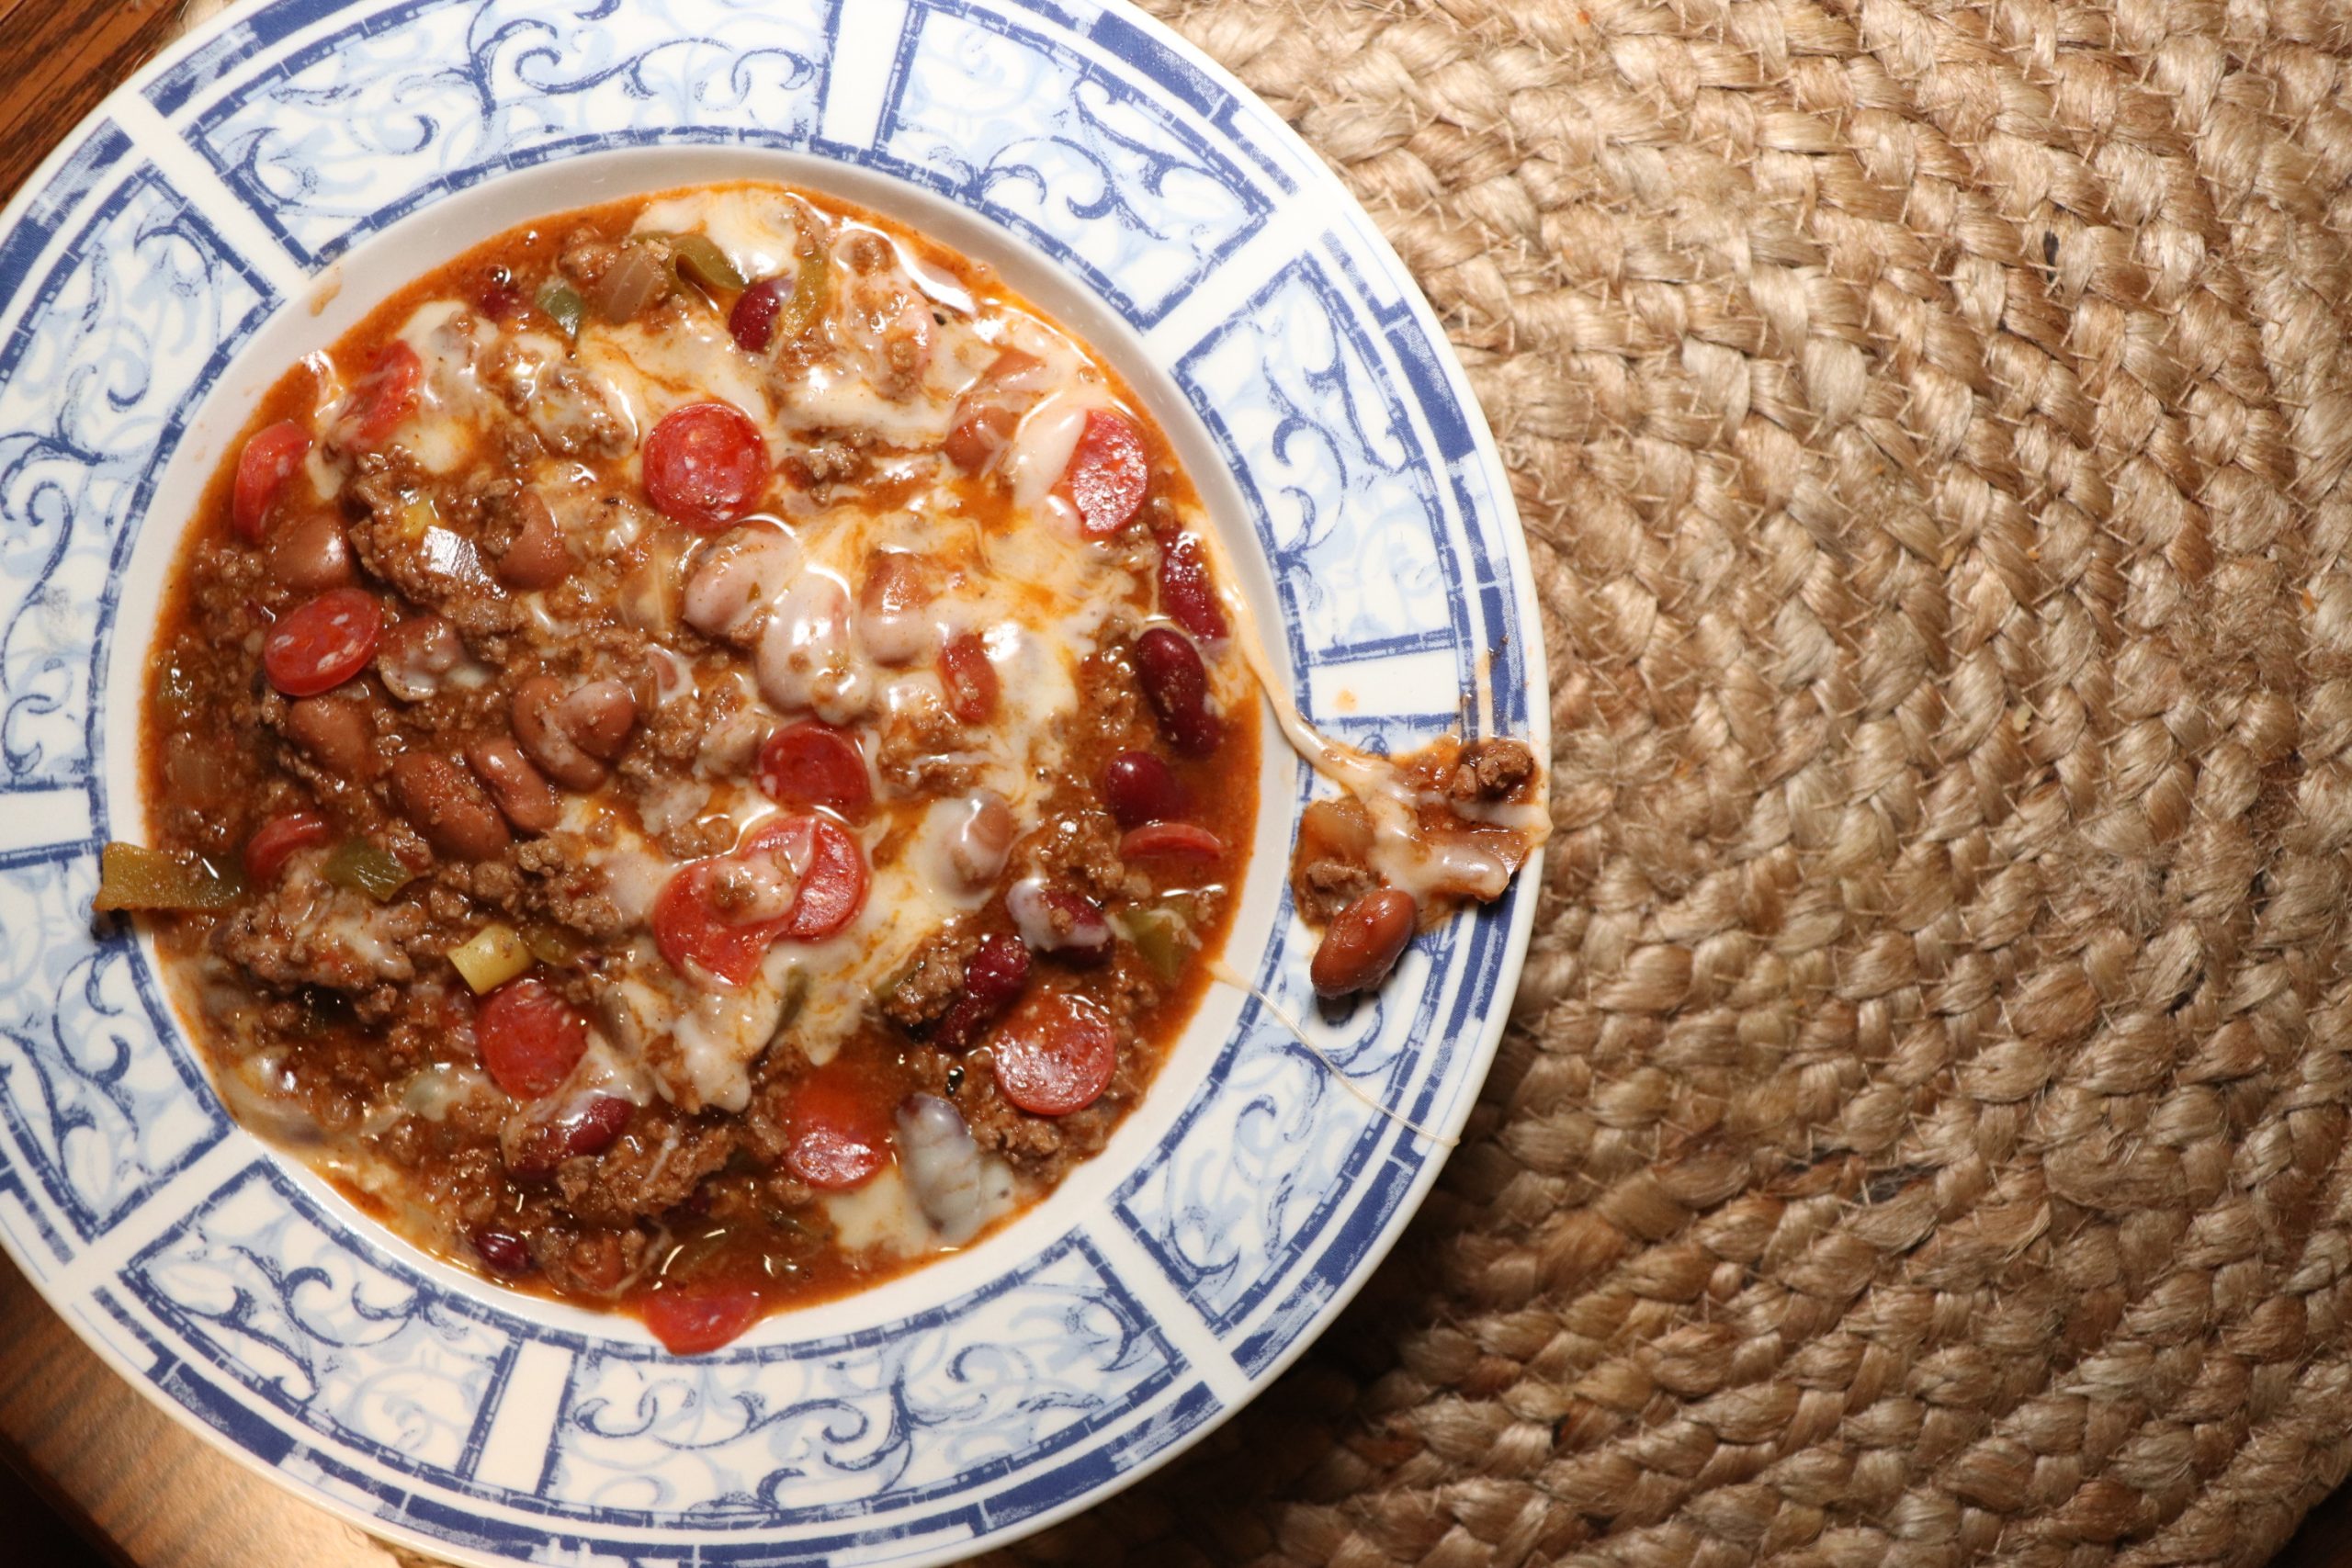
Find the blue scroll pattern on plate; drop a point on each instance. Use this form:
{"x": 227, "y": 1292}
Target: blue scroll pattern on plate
{"x": 1272, "y": 1142}
{"x": 127, "y": 322}
{"x": 1038, "y": 136}
{"x": 362, "y": 128}
{"x": 1346, "y": 505}
{"x": 94, "y": 1096}
{"x": 317, "y": 1327}
{"x": 829, "y": 1431}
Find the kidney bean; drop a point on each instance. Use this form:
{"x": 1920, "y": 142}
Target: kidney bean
{"x": 753, "y": 320}
{"x": 1139, "y": 787}
{"x": 335, "y": 731}
{"x": 1361, "y": 943}
{"x": 412, "y": 656}
{"x": 522, "y": 792}
{"x": 968, "y": 679}
{"x": 1177, "y": 685}
{"x": 309, "y": 555}
{"x": 535, "y": 557}
{"x": 547, "y": 740}
{"x": 442, "y": 802}
{"x": 599, "y": 716}
{"x": 594, "y": 1128}
{"x": 591, "y": 1128}
{"x": 1185, "y": 592}
{"x": 993, "y": 977}
{"x": 503, "y": 1252}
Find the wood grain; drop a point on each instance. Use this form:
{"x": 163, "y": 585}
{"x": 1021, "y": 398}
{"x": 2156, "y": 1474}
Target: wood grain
{"x": 155, "y": 1492}
{"x": 61, "y": 57}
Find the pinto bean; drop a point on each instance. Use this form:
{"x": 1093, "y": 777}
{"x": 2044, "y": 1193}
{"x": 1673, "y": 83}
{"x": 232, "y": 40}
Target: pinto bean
{"x": 981, "y": 842}
{"x": 978, "y": 436}
{"x": 545, "y": 739}
{"x": 309, "y": 555}
{"x": 599, "y": 716}
{"x": 736, "y": 579}
{"x": 412, "y": 656}
{"x": 335, "y": 731}
{"x": 889, "y": 608}
{"x": 522, "y": 792}
{"x": 537, "y": 556}
{"x": 442, "y": 802}
{"x": 1361, "y": 943}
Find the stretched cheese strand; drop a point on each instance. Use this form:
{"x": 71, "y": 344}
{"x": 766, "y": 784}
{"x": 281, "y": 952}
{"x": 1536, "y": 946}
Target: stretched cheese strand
{"x": 1405, "y": 858}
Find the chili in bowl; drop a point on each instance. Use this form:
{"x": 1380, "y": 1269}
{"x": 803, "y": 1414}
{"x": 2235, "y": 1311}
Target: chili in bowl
{"x": 700, "y": 756}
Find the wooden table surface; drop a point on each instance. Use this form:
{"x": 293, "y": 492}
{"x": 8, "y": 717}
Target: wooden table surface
{"x": 125, "y": 1483}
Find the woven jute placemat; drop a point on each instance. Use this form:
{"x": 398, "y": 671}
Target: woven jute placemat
{"x": 1922, "y": 1135}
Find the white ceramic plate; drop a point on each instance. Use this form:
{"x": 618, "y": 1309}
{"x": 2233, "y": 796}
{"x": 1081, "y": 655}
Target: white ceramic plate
{"x": 250, "y": 195}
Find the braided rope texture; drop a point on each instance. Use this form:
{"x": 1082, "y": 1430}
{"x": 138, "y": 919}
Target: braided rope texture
{"x": 1922, "y": 1136}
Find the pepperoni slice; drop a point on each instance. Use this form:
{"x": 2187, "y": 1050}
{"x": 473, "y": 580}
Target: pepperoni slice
{"x": 1108, "y": 474}
{"x": 693, "y": 1319}
{"x": 1055, "y": 1054}
{"x": 1169, "y": 840}
{"x": 694, "y": 934}
{"x": 812, "y": 763}
{"x": 270, "y": 459}
{"x": 969, "y": 678}
{"x": 832, "y": 890}
{"x": 705, "y": 466}
{"x": 529, "y": 1037}
{"x": 385, "y": 397}
{"x": 839, "y": 1138}
{"x": 274, "y": 841}
{"x": 318, "y": 646}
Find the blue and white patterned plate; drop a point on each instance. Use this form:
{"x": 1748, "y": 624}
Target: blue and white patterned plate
{"x": 247, "y": 198}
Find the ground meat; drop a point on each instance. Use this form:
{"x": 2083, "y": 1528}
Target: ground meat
{"x": 304, "y": 932}
{"x": 1080, "y": 850}
{"x": 934, "y": 980}
{"x": 385, "y": 537}
{"x": 1323, "y": 887}
{"x": 560, "y": 883}
{"x": 587, "y": 257}
{"x": 591, "y": 1262}
{"x": 917, "y": 751}
{"x": 1491, "y": 770}
{"x": 646, "y": 1172}
{"x": 839, "y": 460}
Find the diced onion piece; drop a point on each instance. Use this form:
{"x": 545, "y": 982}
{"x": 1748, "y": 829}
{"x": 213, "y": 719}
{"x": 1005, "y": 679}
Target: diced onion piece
{"x": 491, "y": 957}
{"x": 633, "y": 279}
